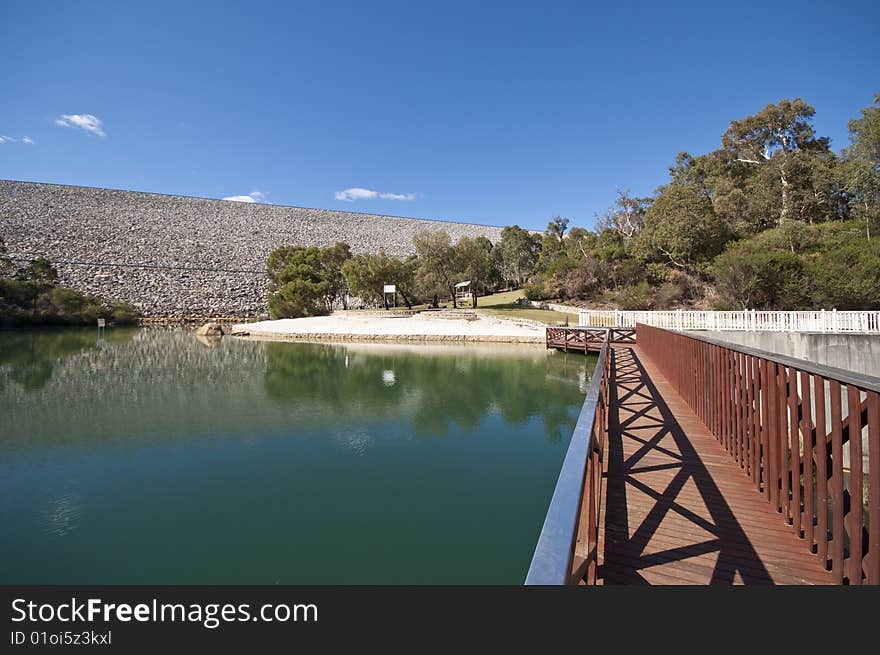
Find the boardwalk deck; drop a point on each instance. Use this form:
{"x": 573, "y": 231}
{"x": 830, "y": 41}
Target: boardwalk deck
{"x": 679, "y": 509}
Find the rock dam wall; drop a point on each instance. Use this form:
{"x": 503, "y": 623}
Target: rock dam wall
{"x": 175, "y": 256}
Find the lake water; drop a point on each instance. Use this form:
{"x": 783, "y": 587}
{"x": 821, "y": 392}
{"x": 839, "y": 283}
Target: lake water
{"x": 149, "y": 457}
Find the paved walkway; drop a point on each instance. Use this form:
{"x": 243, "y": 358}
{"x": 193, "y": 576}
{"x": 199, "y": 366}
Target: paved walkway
{"x": 680, "y": 510}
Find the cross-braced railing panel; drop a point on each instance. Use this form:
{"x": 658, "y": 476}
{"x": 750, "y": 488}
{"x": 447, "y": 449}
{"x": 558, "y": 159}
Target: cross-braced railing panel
{"x": 808, "y": 437}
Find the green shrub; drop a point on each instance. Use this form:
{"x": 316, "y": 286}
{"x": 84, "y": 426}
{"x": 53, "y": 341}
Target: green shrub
{"x": 123, "y": 313}
{"x": 535, "y": 290}
{"x": 297, "y": 299}
{"x": 847, "y": 277}
{"x": 761, "y": 280}
{"x": 634, "y": 296}
{"x": 32, "y": 295}
{"x": 669, "y": 295}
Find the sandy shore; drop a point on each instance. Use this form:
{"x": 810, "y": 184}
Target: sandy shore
{"x": 354, "y": 326}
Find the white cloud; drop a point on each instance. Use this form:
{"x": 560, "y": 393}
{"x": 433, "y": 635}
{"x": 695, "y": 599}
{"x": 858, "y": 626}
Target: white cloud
{"x": 87, "y": 122}
{"x": 253, "y": 196}
{"x": 11, "y": 139}
{"x": 356, "y": 193}
{"x": 398, "y": 196}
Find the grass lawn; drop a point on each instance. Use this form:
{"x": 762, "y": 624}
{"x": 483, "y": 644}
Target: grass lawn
{"x": 503, "y": 304}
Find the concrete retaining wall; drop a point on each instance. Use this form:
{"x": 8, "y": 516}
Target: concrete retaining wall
{"x": 859, "y": 353}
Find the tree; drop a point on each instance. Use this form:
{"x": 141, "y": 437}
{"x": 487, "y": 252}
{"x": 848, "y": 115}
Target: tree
{"x": 551, "y": 250}
{"x": 770, "y": 138}
{"x": 332, "y": 260}
{"x": 861, "y": 181}
{"x": 583, "y": 282}
{"x": 682, "y": 225}
{"x": 305, "y": 281}
{"x": 437, "y": 263}
{"x": 557, "y": 227}
{"x": 363, "y": 281}
{"x": 475, "y": 263}
{"x": 403, "y": 275}
{"x": 861, "y": 168}
{"x": 40, "y": 273}
{"x": 368, "y": 274}
{"x": 865, "y": 132}
{"x": 39, "y": 277}
{"x": 519, "y": 251}
{"x": 626, "y": 216}
{"x": 579, "y": 243}
{"x": 32, "y": 294}
{"x": 744, "y": 196}
{"x": 295, "y": 299}
{"x": 493, "y": 280}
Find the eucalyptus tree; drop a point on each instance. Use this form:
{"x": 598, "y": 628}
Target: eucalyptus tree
{"x": 626, "y": 215}
{"x": 682, "y": 226}
{"x": 861, "y": 166}
{"x": 518, "y": 254}
{"x": 367, "y": 276}
{"x": 474, "y": 260}
{"x": 557, "y": 227}
{"x": 773, "y": 138}
{"x": 437, "y": 263}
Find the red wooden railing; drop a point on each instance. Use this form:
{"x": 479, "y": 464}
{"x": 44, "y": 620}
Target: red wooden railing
{"x": 580, "y": 339}
{"x": 783, "y": 420}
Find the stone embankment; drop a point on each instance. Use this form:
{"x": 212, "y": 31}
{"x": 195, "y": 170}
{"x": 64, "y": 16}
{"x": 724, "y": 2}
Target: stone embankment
{"x": 176, "y": 257}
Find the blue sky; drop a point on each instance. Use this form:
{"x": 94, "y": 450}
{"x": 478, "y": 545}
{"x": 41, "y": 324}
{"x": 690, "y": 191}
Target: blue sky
{"x": 493, "y": 113}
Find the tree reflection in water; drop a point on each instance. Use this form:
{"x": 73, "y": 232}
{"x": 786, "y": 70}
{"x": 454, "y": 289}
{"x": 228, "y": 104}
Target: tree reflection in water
{"x": 31, "y": 355}
{"x": 437, "y": 387}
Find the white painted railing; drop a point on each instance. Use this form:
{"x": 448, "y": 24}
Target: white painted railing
{"x": 748, "y": 320}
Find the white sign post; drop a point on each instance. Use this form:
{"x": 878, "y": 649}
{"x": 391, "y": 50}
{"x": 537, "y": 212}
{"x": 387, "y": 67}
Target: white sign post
{"x": 102, "y": 323}
{"x": 392, "y": 290}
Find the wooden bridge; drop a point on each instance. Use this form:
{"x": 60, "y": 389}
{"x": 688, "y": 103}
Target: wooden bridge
{"x": 694, "y": 461}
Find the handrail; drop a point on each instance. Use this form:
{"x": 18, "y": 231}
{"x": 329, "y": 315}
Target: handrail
{"x": 807, "y": 435}
{"x": 586, "y": 338}
{"x": 553, "y": 562}
{"x": 751, "y": 320}
{"x": 867, "y": 382}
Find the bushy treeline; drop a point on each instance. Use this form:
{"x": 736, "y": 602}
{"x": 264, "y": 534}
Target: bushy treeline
{"x": 310, "y": 281}
{"x": 33, "y": 295}
{"x": 772, "y": 219}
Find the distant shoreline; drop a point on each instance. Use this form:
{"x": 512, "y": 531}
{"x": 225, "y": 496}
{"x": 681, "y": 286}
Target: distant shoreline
{"x": 420, "y": 328}
{"x": 386, "y": 338}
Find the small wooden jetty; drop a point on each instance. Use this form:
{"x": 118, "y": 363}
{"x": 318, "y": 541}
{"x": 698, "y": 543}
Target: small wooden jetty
{"x": 586, "y": 339}
{"x": 695, "y": 462}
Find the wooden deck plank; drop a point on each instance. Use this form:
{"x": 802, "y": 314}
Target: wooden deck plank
{"x": 678, "y": 509}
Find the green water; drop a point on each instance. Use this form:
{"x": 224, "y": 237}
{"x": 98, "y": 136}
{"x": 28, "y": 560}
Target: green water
{"x": 147, "y": 456}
